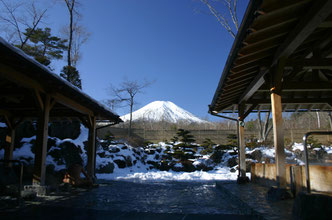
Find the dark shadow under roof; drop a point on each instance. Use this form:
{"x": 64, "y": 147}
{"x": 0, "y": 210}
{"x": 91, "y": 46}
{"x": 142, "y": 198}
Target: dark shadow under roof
{"x": 299, "y": 31}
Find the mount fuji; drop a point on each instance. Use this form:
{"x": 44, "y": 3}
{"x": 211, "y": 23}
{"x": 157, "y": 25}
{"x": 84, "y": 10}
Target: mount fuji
{"x": 163, "y": 111}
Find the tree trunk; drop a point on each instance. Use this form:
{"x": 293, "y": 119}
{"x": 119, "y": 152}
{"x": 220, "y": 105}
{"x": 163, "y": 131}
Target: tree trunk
{"x": 265, "y": 130}
{"x": 131, "y": 115}
{"x": 71, "y": 9}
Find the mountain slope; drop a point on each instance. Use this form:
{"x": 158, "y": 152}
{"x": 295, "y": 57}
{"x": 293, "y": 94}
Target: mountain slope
{"x": 163, "y": 111}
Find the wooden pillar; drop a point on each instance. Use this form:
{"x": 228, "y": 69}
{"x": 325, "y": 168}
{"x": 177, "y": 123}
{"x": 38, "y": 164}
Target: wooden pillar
{"x": 9, "y": 148}
{"x": 91, "y": 147}
{"x": 278, "y": 133}
{"x": 11, "y": 123}
{"x": 242, "y": 145}
{"x": 41, "y": 144}
{"x": 242, "y": 150}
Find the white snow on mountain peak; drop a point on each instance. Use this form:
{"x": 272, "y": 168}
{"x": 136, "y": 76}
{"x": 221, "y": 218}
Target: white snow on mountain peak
{"x": 163, "y": 111}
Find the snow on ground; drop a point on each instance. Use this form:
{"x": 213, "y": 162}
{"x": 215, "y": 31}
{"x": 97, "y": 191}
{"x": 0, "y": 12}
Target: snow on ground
{"x": 220, "y": 173}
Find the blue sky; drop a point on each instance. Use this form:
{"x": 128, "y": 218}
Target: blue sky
{"x": 162, "y": 40}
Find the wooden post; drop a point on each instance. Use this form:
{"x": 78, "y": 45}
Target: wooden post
{"x": 278, "y": 131}
{"x": 242, "y": 145}
{"x": 10, "y": 138}
{"x": 41, "y": 144}
{"x": 9, "y": 148}
{"x": 91, "y": 147}
{"x": 242, "y": 150}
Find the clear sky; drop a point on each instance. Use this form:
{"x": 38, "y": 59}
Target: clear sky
{"x": 163, "y": 40}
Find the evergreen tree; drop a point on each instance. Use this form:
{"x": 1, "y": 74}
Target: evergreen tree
{"x": 72, "y": 75}
{"x": 44, "y": 47}
{"x": 185, "y": 136}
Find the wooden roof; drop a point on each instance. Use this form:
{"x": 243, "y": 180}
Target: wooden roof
{"x": 299, "y": 31}
{"x": 24, "y": 83}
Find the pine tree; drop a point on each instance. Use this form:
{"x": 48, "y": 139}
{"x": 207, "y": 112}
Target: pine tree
{"x": 44, "y": 47}
{"x": 185, "y": 136}
{"x": 71, "y": 74}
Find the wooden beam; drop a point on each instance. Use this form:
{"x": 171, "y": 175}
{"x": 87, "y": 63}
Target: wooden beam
{"x": 39, "y": 172}
{"x": 317, "y": 14}
{"x": 320, "y": 10}
{"x": 311, "y": 63}
{"x": 72, "y": 104}
{"x": 254, "y": 57}
{"x": 12, "y": 75}
{"x": 262, "y": 45}
{"x": 250, "y": 109}
{"x": 254, "y": 86}
{"x": 39, "y": 100}
{"x": 292, "y": 101}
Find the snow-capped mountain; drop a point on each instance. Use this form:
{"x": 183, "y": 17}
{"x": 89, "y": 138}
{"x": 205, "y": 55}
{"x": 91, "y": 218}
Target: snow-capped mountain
{"x": 163, "y": 111}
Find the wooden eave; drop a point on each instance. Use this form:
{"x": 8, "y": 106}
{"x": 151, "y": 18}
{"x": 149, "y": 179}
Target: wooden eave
{"x": 24, "y": 82}
{"x": 300, "y": 32}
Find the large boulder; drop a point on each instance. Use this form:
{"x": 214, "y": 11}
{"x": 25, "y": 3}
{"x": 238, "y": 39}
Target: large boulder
{"x": 188, "y": 166}
{"x": 120, "y": 163}
{"x": 67, "y": 153}
{"x": 108, "y": 168}
{"x": 232, "y": 162}
{"x": 257, "y": 155}
{"x": 128, "y": 161}
{"x": 216, "y": 156}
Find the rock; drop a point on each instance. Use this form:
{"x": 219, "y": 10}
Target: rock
{"x": 150, "y": 151}
{"x": 28, "y": 195}
{"x": 137, "y": 151}
{"x": 156, "y": 156}
{"x": 188, "y": 166}
{"x": 128, "y": 161}
{"x": 120, "y": 163}
{"x": 155, "y": 164}
{"x": 67, "y": 153}
{"x": 232, "y": 170}
{"x": 216, "y": 156}
{"x": 232, "y": 162}
{"x": 257, "y": 155}
{"x": 114, "y": 149}
{"x": 108, "y": 168}
{"x": 124, "y": 147}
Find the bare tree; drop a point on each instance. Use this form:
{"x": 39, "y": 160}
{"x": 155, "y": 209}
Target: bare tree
{"x": 76, "y": 33}
{"x": 264, "y": 130}
{"x": 224, "y": 18}
{"x": 19, "y": 16}
{"x": 126, "y": 92}
{"x": 71, "y": 9}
